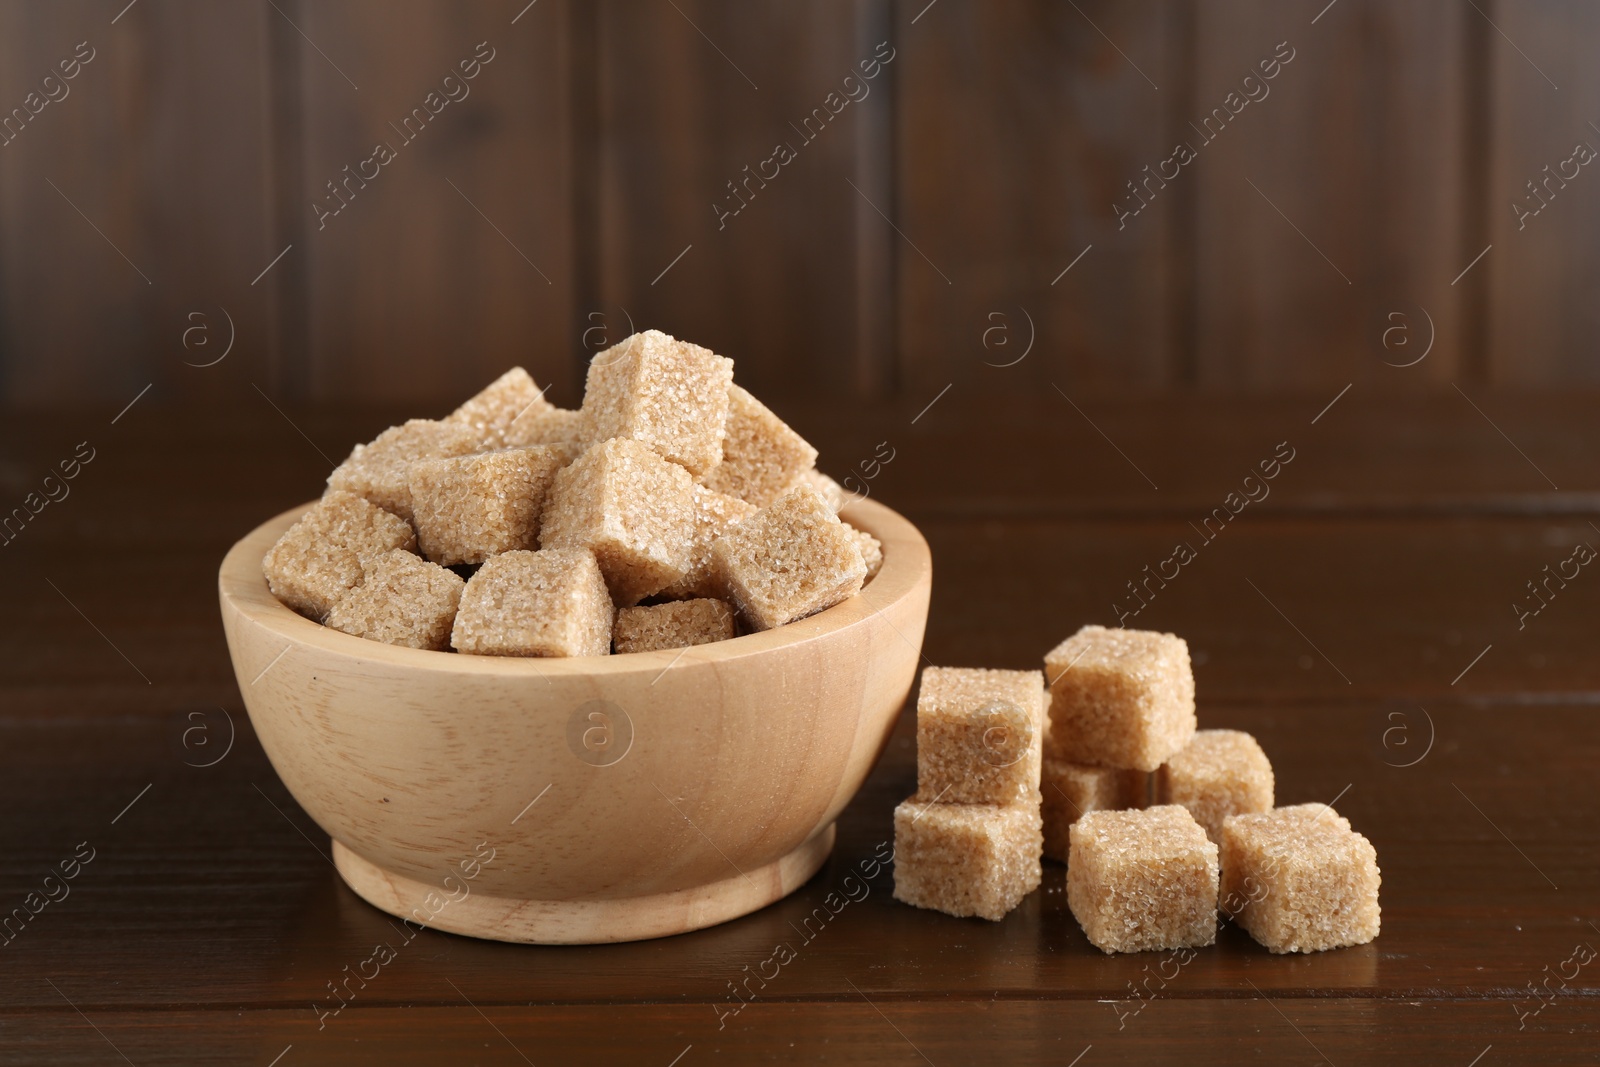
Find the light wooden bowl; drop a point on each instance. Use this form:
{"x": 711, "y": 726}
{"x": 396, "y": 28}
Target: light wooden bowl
{"x": 607, "y": 798}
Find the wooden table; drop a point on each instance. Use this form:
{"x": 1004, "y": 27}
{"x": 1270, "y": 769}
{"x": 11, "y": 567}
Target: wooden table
{"x": 1359, "y": 621}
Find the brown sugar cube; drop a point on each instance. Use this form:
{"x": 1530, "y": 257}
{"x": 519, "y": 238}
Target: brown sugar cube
{"x": 979, "y": 735}
{"x": 966, "y": 859}
{"x": 1217, "y": 774}
{"x": 761, "y": 456}
{"x": 791, "y": 559}
{"x": 831, "y": 490}
{"x": 468, "y": 508}
{"x": 402, "y": 600}
{"x": 510, "y": 398}
{"x": 714, "y": 515}
{"x": 1120, "y": 698}
{"x": 552, "y": 426}
{"x": 665, "y": 393}
{"x": 381, "y": 470}
{"x": 318, "y": 559}
{"x": 871, "y": 550}
{"x": 1071, "y": 790}
{"x": 675, "y": 625}
{"x": 1141, "y": 880}
{"x": 547, "y": 603}
{"x": 632, "y": 509}
{"x": 1299, "y": 879}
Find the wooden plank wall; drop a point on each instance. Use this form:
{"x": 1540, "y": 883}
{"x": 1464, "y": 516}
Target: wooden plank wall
{"x": 727, "y": 172}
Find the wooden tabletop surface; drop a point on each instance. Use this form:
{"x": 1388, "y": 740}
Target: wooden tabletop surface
{"x": 1362, "y": 620}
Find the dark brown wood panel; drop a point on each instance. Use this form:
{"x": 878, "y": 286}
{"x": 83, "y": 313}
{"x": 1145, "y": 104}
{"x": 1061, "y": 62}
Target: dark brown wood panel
{"x": 1330, "y": 198}
{"x": 1001, "y": 189}
{"x": 1542, "y": 318}
{"x": 455, "y": 261}
{"x": 209, "y": 923}
{"x": 919, "y": 238}
{"x": 769, "y": 265}
{"x": 132, "y": 208}
{"x": 1041, "y": 531}
{"x": 866, "y": 1031}
{"x": 1488, "y": 877}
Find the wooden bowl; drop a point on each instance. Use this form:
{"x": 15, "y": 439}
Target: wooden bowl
{"x": 604, "y": 798}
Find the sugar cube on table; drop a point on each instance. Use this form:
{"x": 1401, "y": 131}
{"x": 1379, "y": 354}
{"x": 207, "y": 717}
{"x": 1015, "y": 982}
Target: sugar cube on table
{"x": 792, "y": 558}
{"x": 1120, "y": 698}
{"x": 402, "y": 600}
{"x": 633, "y": 509}
{"x": 979, "y": 735}
{"x": 966, "y": 859}
{"x": 1141, "y": 880}
{"x": 552, "y": 426}
{"x": 381, "y": 470}
{"x": 547, "y": 603}
{"x": 676, "y": 624}
{"x": 871, "y": 550}
{"x": 665, "y": 393}
{"x": 468, "y": 508}
{"x": 1299, "y": 879}
{"x": 510, "y": 398}
{"x": 761, "y": 456}
{"x": 1068, "y": 791}
{"x": 1217, "y": 774}
{"x": 318, "y": 559}
{"x": 714, "y": 515}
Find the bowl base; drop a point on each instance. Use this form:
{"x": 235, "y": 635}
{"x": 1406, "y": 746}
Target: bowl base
{"x": 586, "y": 922}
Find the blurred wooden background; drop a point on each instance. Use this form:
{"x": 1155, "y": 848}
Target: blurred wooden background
{"x": 921, "y": 238}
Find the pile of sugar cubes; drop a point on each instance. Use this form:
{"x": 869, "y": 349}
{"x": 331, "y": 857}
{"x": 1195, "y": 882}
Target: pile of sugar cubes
{"x": 513, "y": 527}
{"x": 1009, "y": 772}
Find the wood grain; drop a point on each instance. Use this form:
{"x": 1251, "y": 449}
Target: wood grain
{"x": 1329, "y": 203}
{"x": 1469, "y": 914}
{"x": 132, "y": 209}
{"x": 210, "y": 922}
{"x": 463, "y": 243}
{"x": 923, "y": 241}
{"x": 690, "y": 95}
{"x": 1001, "y": 191}
{"x": 866, "y": 1031}
{"x": 1538, "y": 323}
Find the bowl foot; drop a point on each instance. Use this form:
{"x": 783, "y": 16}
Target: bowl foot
{"x": 582, "y": 922}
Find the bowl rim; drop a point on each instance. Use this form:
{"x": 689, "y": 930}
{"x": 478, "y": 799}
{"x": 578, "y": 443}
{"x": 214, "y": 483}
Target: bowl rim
{"x": 906, "y": 571}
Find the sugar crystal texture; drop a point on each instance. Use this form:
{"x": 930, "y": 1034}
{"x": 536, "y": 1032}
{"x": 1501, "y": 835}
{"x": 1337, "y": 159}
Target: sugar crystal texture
{"x": 1217, "y": 774}
{"x": 761, "y": 456}
{"x": 790, "y": 559}
{"x": 677, "y": 624}
{"x": 381, "y": 470}
{"x": 1071, "y": 790}
{"x": 402, "y": 600}
{"x": 318, "y": 559}
{"x": 1142, "y": 880}
{"x": 552, "y": 426}
{"x": 871, "y": 550}
{"x": 1299, "y": 879}
{"x": 831, "y": 490}
{"x": 511, "y": 398}
{"x": 633, "y": 509}
{"x": 966, "y": 859}
{"x": 714, "y": 515}
{"x": 469, "y": 508}
{"x": 979, "y": 735}
{"x": 1120, "y": 698}
{"x": 547, "y": 603}
{"x": 665, "y": 393}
